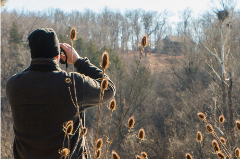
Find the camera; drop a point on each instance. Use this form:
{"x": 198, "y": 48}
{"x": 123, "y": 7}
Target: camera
{"x": 64, "y": 53}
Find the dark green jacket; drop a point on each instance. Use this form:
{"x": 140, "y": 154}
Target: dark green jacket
{"x": 41, "y": 103}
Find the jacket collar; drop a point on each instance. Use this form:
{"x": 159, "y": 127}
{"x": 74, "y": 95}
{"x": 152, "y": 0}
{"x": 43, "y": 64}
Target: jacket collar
{"x": 44, "y": 64}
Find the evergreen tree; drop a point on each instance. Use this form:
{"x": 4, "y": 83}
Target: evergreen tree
{"x": 93, "y": 54}
{"x": 15, "y": 37}
{"x": 80, "y": 47}
{"x": 62, "y": 38}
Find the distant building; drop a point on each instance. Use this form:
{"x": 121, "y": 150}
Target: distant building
{"x": 174, "y": 45}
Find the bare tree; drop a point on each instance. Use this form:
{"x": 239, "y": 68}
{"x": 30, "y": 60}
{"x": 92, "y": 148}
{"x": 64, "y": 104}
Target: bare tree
{"x": 185, "y": 17}
{"x": 220, "y": 42}
{"x": 134, "y": 18}
{"x": 158, "y": 34}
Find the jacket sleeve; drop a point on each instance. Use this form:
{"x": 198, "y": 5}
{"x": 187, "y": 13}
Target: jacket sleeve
{"x": 91, "y": 81}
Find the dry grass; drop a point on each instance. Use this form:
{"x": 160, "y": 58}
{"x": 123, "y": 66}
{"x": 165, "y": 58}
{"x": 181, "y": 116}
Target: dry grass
{"x": 159, "y": 63}
{"x": 219, "y": 145}
{"x": 7, "y": 134}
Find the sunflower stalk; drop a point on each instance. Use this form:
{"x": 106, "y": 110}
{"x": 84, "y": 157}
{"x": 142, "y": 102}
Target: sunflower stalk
{"x": 143, "y": 44}
{"x": 99, "y": 113}
{"x": 103, "y": 87}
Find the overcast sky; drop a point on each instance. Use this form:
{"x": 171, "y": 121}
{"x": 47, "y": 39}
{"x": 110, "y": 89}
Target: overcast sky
{"x": 175, "y": 6}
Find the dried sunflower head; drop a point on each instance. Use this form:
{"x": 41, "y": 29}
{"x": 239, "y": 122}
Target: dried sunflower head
{"x": 209, "y": 128}
{"x": 215, "y": 146}
{"x": 73, "y": 34}
{"x": 141, "y": 134}
{"x": 222, "y": 140}
{"x": 99, "y": 143}
{"x": 144, "y": 41}
{"x": 112, "y": 105}
{"x": 237, "y": 152}
{"x": 115, "y": 155}
{"x": 199, "y": 136}
{"x": 238, "y": 124}
{"x": 105, "y": 60}
{"x": 201, "y": 115}
{"x": 131, "y": 122}
{"x": 220, "y": 155}
{"x": 104, "y": 84}
{"x": 68, "y": 127}
{"x": 64, "y": 152}
{"x": 221, "y": 119}
{"x": 138, "y": 157}
{"x": 188, "y": 156}
{"x": 144, "y": 154}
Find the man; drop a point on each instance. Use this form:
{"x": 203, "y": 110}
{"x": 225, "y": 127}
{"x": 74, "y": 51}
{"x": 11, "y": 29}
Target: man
{"x": 40, "y": 99}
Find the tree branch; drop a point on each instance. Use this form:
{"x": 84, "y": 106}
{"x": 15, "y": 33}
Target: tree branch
{"x": 214, "y": 72}
{"x": 225, "y": 38}
{"x": 219, "y": 60}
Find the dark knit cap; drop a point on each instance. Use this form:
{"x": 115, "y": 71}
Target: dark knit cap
{"x": 44, "y": 43}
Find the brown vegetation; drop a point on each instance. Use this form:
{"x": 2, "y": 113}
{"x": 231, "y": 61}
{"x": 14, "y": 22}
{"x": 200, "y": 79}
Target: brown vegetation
{"x": 176, "y": 89}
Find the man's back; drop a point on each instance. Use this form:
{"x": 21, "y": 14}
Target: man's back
{"x": 41, "y": 103}
{"x": 40, "y": 99}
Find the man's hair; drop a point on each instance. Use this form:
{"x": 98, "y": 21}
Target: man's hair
{"x": 44, "y": 43}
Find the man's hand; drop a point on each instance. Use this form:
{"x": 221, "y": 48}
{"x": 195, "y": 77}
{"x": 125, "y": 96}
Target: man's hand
{"x": 67, "y": 48}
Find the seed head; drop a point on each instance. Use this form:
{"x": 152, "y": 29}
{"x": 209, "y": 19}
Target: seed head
{"x": 144, "y": 154}
{"x": 201, "y": 115}
{"x": 112, "y": 105}
{"x": 238, "y": 124}
{"x": 144, "y": 41}
{"x": 199, "y": 136}
{"x": 115, "y": 155}
{"x": 141, "y": 134}
{"x": 209, "y": 128}
{"x": 220, "y": 155}
{"x": 98, "y": 153}
{"x": 64, "y": 152}
{"x": 73, "y": 34}
{"x": 99, "y": 143}
{"x": 223, "y": 140}
{"x": 221, "y": 119}
{"x": 105, "y": 60}
{"x": 215, "y": 146}
{"x": 84, "y": 131}
{"x": 188, "y": 156}
{"x": 237, "y": 152}
{"x": 68, "y": 127}
{"x": 131, "y": 122}
{"x": 3, "y": 2}
{"x": 104, "y": 84}
{"x": 67, "y": 80}
{"x": 138, "y": 157}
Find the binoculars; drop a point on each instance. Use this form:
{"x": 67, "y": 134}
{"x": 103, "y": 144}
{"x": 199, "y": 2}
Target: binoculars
{"x": 64, "y": 53}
